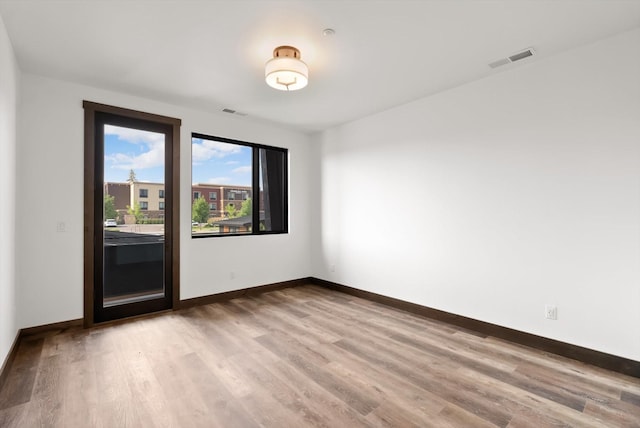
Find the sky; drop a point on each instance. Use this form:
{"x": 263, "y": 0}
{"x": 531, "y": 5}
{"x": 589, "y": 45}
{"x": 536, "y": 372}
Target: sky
{"x": 213, "y": 162}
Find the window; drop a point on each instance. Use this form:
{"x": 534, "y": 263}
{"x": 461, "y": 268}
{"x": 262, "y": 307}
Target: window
{"x": 161, "y": 193}
{"x": 144, "y": 205}
{"x": 161, "y": 205}
{"x": 144, "y": 193}
{"x": 254, "y": 200}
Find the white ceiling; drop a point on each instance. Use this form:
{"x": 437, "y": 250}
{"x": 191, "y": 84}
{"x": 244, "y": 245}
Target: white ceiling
{"x": 210, "y": 54}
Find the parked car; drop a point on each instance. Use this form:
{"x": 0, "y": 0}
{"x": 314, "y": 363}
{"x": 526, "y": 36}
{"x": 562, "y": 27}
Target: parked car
{"x": 195, "y": 224}
{"x": 110, "y": 222}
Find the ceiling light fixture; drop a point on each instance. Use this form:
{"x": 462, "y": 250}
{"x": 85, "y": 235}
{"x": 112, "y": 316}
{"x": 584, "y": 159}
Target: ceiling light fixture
{"x": 285, "y": 71}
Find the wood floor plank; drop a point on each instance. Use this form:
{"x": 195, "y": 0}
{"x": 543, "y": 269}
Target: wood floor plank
{"x": 299, "y": 358}
{"x": 223, "y": 409}
{"x": 302, "y": 357}
{"x": 630, "y": 398}
{"x": 80, "y": 396}
{"x": 388, "y": 414}
{"x": 454, "y": 393}
{"x": 559, "y": 364}
{"x": 335, "y": 410}
{"x": 455, "y": 417}
{"x": 47, "y": 390}
{"x": 551, "y": 392}
{"x": 16, "y": 416}
{"x": 616, "y": 413}
{"x": 273, "y": 402}
{"x": 19, "y": 384}
{"x": 388, "y": 387}
{"x": 531, "y": 406}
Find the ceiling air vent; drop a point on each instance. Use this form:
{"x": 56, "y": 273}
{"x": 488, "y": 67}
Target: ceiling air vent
{"x": 513, "y": 58}
{"x": 521, "y": 55}
{"x": 231, "y": 111}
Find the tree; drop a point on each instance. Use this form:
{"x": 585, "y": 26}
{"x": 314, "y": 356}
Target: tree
{"x": 200, "y": 210}
{"x": 109, "y": 207}
{"x": 136, "y": 212}
{"x": 231, "y": 210}
{"x": 246, "y": 208}
{"x": 132, "y": 176}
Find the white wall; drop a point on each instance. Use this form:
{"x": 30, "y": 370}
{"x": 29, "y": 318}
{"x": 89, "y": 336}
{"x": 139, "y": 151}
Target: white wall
{"x": 9, "y": 83}
{"x": 498, "y": 197}
{"x": 50, "y": 190}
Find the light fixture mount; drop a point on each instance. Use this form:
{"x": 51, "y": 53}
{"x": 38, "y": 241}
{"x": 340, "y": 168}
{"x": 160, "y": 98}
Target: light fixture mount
{"x": 286, "y": 71}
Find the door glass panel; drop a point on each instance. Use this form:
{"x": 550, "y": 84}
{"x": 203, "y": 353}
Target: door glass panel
{"x": 133, "y": 215}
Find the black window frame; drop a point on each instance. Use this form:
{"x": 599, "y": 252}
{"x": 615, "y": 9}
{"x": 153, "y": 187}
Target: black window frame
{"x": 143, "y": 193}
{"x": 144, "y": 206}
{"x": 281, "y": 178}
{"x": 160, "y": 193}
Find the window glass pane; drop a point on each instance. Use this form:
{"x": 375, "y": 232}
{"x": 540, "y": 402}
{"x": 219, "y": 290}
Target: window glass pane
{"x": 221, "y": 171}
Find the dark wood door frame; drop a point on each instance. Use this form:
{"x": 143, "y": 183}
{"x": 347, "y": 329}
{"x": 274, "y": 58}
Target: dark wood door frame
{"x": 172, "y": 185}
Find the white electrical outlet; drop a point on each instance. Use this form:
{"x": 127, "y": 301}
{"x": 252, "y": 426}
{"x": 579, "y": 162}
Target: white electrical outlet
{"x": 551, "y": 312}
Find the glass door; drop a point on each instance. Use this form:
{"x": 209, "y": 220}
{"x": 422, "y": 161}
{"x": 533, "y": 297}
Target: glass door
{"x": 132, "y": 259}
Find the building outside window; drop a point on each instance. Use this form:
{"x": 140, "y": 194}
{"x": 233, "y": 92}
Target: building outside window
{"x": 161, "y": 205}
{"x": 144, "y": 193}
{"x": 144, "y": 205}
{"x": 196, "y": 195}
{"x": 161, "y": 193}
{"x": 213, "y": 196}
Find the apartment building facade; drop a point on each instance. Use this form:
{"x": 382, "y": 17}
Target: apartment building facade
{"x": 219, "y": 197}
{"x": 151, "y": 197}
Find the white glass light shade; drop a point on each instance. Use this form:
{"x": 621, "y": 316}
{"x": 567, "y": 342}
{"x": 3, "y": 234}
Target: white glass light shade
{"x": 286, "y": 73}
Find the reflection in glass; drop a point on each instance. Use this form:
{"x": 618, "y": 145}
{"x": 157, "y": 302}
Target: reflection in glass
{"x": 272, "y": 190}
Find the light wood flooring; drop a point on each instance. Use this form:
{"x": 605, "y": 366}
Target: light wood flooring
{"x": 302, "y": 357}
